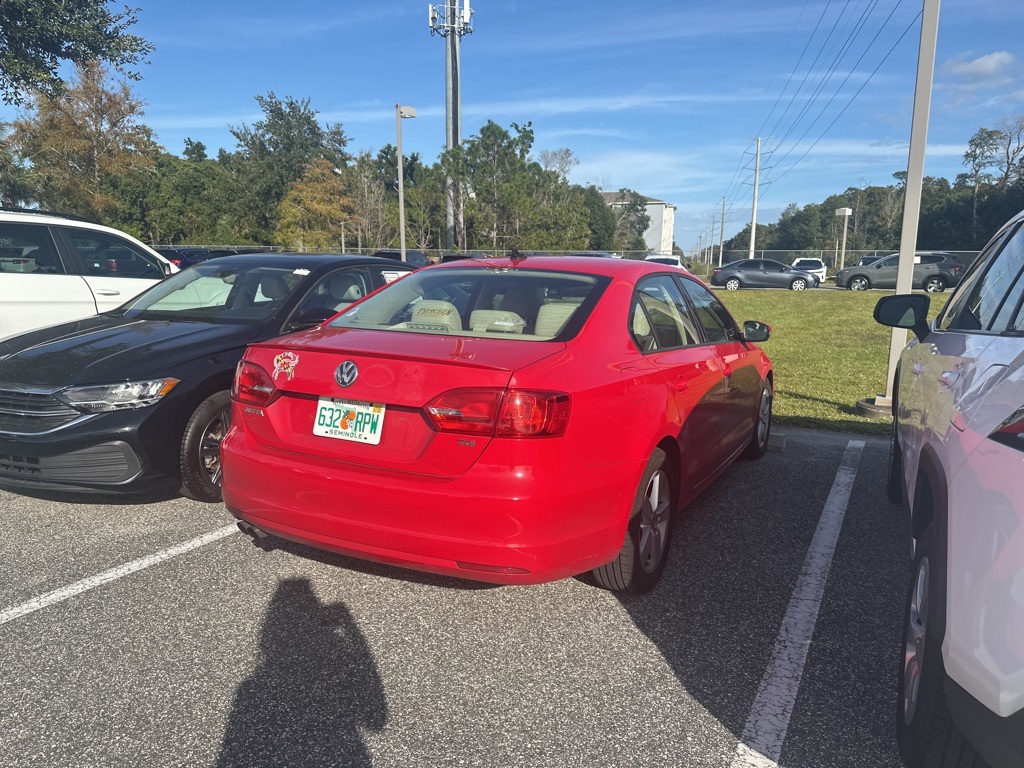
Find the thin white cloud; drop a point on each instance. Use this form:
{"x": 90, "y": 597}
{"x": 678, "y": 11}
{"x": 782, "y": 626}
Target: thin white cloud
{"x": 989, "y": 70}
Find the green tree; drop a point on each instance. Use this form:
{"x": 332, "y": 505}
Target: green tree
{"x": 194, "y": 151}
{"x": 631, "y": 220}
{"x": 982, "y": 152}
{"x": 76, "y": 142}
{"x": 600, "y": 221}
{"x": 16, "y": 186}
{"x": 272, "y": 154}
{"x": 37, "y": 36}
{"x": 315, "y": 210}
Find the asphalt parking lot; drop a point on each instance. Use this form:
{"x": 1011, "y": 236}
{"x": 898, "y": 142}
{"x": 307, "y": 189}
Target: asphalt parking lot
{"x": 771, "y": 640}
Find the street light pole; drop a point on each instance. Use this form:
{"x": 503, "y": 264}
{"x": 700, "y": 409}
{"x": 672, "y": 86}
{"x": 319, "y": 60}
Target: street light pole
{"x": 845, "y": 213}
{"x": 400, "y": 113}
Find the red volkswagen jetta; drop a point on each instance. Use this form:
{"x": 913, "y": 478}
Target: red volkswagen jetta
{"x": 513, "y": 420}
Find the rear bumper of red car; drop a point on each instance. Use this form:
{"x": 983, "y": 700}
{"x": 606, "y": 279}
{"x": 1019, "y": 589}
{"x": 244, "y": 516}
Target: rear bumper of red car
{"x": 523, "y": 514}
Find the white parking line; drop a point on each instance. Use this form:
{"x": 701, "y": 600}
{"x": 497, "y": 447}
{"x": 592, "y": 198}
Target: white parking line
{"x": 765, "y": 730}
{"x": 58, "y": 595}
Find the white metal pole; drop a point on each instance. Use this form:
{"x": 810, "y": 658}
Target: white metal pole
{"x": 915, "y": 177}
{"x": 401, "y": 184}
{"x": 721, "y": 234}
{"x": 842, "y": 257}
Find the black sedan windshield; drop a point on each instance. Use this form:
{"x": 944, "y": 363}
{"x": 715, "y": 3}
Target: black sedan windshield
{"x": 218, "y": 293}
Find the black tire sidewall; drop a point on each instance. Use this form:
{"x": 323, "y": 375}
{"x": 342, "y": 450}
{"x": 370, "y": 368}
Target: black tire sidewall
{"x": 195, "y": 482}
{"x": 756, "y": 449}
{"x": 922, "y": 741}
{"x": 625, "y": 573}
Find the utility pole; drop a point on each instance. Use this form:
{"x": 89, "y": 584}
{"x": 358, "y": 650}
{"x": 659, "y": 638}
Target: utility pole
{"x": 451, "y": 23}
{"x": 915, "y": 177}
{"x": 753, "y": 213}
{"x": 721, "y": 233}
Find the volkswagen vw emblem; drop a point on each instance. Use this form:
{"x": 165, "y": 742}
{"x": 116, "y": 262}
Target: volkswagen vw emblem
{"x": 346, "y": 374}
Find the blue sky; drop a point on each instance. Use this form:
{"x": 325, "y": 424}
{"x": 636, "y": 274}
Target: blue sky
{"x": 656, "y": 95}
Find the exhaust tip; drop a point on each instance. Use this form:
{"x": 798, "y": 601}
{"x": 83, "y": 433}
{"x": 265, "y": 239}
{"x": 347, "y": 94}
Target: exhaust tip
{"x": 259, "y": 537}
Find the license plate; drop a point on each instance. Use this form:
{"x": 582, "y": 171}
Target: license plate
{"x": 349, "y": 420}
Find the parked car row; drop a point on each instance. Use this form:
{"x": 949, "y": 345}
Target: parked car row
{"x": 933, "y": 272}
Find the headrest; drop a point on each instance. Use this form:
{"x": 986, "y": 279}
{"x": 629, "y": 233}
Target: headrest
{"x": 496, "y": 321}
{"x": 522, "y": 298}
{"x": 433, "y": 314}
{"x": 274, "y": 287}
{"x": 551, "y": 318}
{"x": 345, "y": 287}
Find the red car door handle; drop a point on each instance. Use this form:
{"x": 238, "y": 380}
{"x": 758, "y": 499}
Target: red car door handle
{"x": 727, "y": 371}
{"x": 680, "y": 385}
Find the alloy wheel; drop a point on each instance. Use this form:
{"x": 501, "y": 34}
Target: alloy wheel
{"x": 654, "y": 522}
{"x": 209, "y": 445}
{"x": 914, "y": 636}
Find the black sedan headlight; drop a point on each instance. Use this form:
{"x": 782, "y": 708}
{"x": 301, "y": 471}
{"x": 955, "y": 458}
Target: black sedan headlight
{"x": 125, "y": 395}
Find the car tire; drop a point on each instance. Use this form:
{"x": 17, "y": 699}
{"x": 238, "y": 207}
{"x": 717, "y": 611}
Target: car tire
{"x": 799, "y": 284}
{"x": 200, "y": 457}
{"x": 859, "y": 283}
{"x": 758, "y": 445}
{"x": 926, "y": 735}
{"x": 894, "y": 474}
{"x": 733, "y": 284}
{"x": 641, "y": 560}
{"x": 934, "y": 285}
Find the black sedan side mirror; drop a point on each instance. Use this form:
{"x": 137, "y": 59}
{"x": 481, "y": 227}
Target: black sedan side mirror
{"x": 904, "y": 310}
{"x": 755, "y": 331}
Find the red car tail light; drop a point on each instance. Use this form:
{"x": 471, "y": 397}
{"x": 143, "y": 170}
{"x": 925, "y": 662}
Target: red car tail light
{"x": 253, "y": 385}
{"x": 525, "y": 413}
{"x": 500, "y": 413}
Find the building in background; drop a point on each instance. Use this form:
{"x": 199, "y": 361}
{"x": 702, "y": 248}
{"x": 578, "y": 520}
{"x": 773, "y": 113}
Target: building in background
{"x": 658, "y": 236}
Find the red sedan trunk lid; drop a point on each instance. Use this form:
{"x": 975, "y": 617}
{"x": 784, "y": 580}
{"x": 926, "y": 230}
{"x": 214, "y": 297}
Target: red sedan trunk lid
{"x": 401, "y": 371}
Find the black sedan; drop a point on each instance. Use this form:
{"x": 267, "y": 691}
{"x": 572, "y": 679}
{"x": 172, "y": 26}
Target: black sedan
{"x": 139, "y": 397}
{"x": 762, "y": 273}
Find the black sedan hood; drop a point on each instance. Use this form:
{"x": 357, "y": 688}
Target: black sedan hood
{"x": 107, "y": 348}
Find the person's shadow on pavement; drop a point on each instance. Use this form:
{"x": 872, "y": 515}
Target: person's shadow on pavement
{"x": 315, "y": 691}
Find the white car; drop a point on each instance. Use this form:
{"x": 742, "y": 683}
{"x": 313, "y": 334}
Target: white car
{"x": 957, "y": 465}
{"x": 55, "y": 268}
{"x": 815, "y": 266}
{"x": 669, "y": 259}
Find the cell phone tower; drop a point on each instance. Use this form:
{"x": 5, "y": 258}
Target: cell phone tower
{"x": 451, "y": 22}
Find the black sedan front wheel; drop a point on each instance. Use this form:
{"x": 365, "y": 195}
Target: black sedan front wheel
{"x": 200, "y": 448}
{"x": 799, "y": 284}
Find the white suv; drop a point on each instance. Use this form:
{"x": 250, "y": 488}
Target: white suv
{"x": 55, "y": 268}
{"x": 957, "y": 465}
{"x": 815, "y": 266}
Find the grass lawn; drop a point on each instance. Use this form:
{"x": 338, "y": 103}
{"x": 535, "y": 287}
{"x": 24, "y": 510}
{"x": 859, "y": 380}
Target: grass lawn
{"x": 827, "y": 350}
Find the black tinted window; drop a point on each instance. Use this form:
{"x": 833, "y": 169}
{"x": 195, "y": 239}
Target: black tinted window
{"x": 982, "y": 296}
{"x": 667, "y": 313}
{"x": 710, "y": 313}
{"x": 28, "y": 249}
{"x": 110, "y": 256}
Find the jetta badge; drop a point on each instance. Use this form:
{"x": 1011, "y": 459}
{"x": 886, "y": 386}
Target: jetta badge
{"x": 346, "y": 374}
